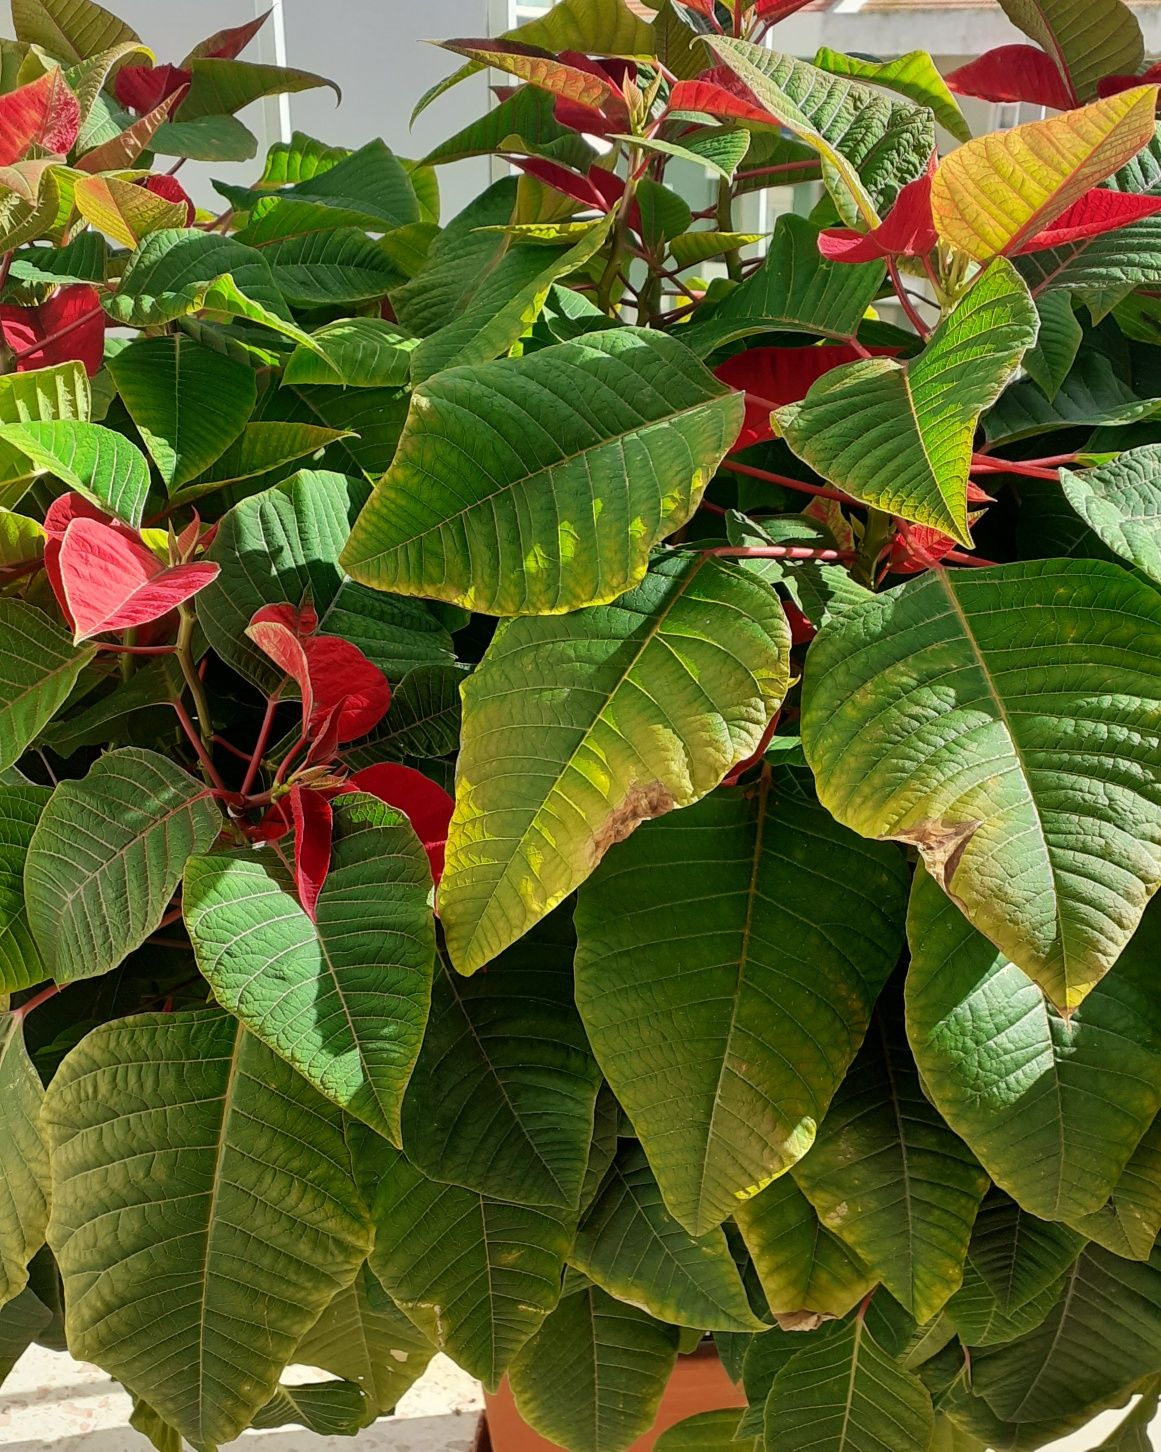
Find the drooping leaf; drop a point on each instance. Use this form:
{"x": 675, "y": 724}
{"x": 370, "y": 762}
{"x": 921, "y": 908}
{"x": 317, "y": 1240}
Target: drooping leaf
{"x": 745, "y": 1017}
{"x": 84, "y": 259}
{"x": 519, "y": 845}
{"x": 889, "y": 1177}
{"x": 501, "y": 1100}
{"x": 845, "y": 1393}
{"x": 1091, "y": 396}
{"x": 1131, "y": 1434}
{"x": 209, "y": 138}
{"x": 715, "y": 1431}
{"x": 1130, "y": 1222}
{"x": 369, "y": 188}
{"x": 1021, "y": 73}
{"x": 355, "y": 353}
{"x": 631, "y": 1246}
{"x": 424, "y": 719}
{"x": 20, "y": 963}
{"x": 103, "y": 465}
{"x": 22, "y": 1320}
{"x": 342, "y": 996}
{"x": 335, "y": 1408}
{"x": 998, "y": 191}
{"x": 24, "y": 1186}
{"x": 1053, "y": 1108}
{"x": 220, "y": 85}
{"x": 1121, "y": 503}
{"x": 39, "y": 666}
{"x": 260, "y": 448}
{"x": 281, "y": 545}
{"x": 976, "y": 1314}
{"x": 477, "y": 1276}
{"x": 192, "y": 1285}
{"x": 189, "y": 402}
{"x": 592, "y": 1377}
{"x": 690, "y": 248}
{"x": 1087, "y": 42}
{"x": 992, "y": 787}
{"x": 1049, "y": 361}
{"x": 912, "y": 75}
{"x": 106, "y": 856}
{"x": 1016, "y": 1255}
{"x": 595, "y": 451}
{"x": 801, "y": 1265}
{"x": 522, "y": 123}
{"x": 899, "y": 435}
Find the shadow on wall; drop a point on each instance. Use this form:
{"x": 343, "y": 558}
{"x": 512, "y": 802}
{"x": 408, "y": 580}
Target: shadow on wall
{"x": 409, "y": 1434}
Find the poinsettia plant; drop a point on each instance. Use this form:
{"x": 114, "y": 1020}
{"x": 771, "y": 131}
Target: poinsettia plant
{"x": 582, "y": 776}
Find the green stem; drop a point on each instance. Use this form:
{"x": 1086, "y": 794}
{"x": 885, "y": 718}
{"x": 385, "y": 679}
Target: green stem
{"x": 733, "y": 258}
{"x": 618, "y": 249}
{"x": 189, "y": 671}
{"x": 876, "y": 537}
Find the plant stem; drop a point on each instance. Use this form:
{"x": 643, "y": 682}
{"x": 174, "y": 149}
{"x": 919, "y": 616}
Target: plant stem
{"x": 733, "y": 258}
{"x": 21, "y": 1013}
{"x": 787, "y": 483}
{"x": 757, "y": 754}
{"x": 877, "y": 536}
{"x": 117, "y": 649}
{"x": 619, "y": 247}
{"x": 42, "y": 343}
{"x": 908, "y": 306}
{"x": 982, "y": 465}
{"x": 780, "y": 552}
{"x": 261, "y": 744}
{"x": 786, "y": 168}
{"x": 209, "y": 770}
{"x": 188, "y": 670}
{"x": 957, "y": 557}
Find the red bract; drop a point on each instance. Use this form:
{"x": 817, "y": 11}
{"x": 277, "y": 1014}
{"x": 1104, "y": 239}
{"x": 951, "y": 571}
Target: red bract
{"x": 313, "y": 825}
{"x": 778, "y": 376}
{"x": 1097, "y": 212}
{"x": 775, "y": 10}
{"x": 229, "y": 44}
{"x": 1111, "y": 85}
{"x": 612, "y": 116}
{"x": 43, "y": 113}
{"x": 172, "y": 190}
{"x": 427, "y": 806}
{"x": 112, "y": 581}
{"x": 917, "y": 547}
{"x": 1015, "y": 73}
{"x": 39, "y": 333}
{"x": 143, "y": 88}
{"x": 907, "y": 230}
{"x": 599, "y": 189}
{"x": 344, "y": 695}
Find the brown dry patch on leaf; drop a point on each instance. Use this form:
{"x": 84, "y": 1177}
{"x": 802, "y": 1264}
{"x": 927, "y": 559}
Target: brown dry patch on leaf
{"x": 800, "y": 1320}
{"x": 941, "y": 845}
{"x": 640, "y": 803}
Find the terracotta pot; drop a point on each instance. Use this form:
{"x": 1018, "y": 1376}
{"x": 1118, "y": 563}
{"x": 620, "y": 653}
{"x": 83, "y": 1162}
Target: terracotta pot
{"x": 698, "y": 1384}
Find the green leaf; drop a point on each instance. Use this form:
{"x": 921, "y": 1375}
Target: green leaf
{"x": 342, "y": 997}
{"x": 1016, "y": 1255}
{"x": 597, "y": 755}
{"x": 424, "y": 720}
{"x": 1121, "y": 503}
{"x": 222, "y": 86}
{"x": 538, "y": 485}
{"x": 976, "y": 1314}
{"x": 524, "y": 123}
{"x": 888, "y": 1176}
{"x": 209, "y": 138}
{"x": 1130, "y": 1222}
{"x": 1049, "y": 361}
{"x": 871, "y": 145}
{"x": 24, "y": 1185}
{"x": 325, "y": 268}
{"x": 84, "y": 259}
{"x": 502, "y": 1096}
{"x": 188, "y": 402}
{"x": 70, "y": 29}
{"x": 1025, "y": 789}
{"x": 61, "y": 391}
{"x": 477, "y": 1276}
{"x": 1053, "y": 1108}
{"x": 20, "y": 962}
{"x": 1052, "y": 1372}
{"x": 631, "y": 1246}
{"x": 155, "y": 1429}
{"x": 260, "y": 448}
{"x": 1087, "y": 41}
{"x": 1091, "y": 396}
{"x": 795, "y": 290}
{"x": 1132, "y": 1433}
{"x": 193, "y": 1285}
{"x": 106, "y": 856}
{"x": 707, "y": 1432}
{"x": 101, "y": 464}
{"x": 913, "y": 75}
{"x": 372, "y": 417}
{"x": 789, "y": 927}
{"x": 899, "y": 435}
{"x": 592, "y": 1377}
{"x": 363, "y": 1337}
{"x": 693, "y": 247}
{"x": 764, "y": 1358}
{"x": 820, "y": 591}
{"x": 355, "y": 353}
{"x": 369, "y": 188}
{"x": 279, "y": 546}
{"x": 504, "y": 304}
{"x": 337, "y": 1408}
{"x": 802, "y": 1266}
{"x": 39, "y": 666}
{"x": 845, "y": 1394}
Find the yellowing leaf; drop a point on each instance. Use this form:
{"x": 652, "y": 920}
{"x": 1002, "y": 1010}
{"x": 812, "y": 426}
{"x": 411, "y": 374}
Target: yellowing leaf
{"x": 123, "y": 210}
{"x": 999, "y": 190}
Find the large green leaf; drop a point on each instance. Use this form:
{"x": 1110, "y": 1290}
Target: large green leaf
{"x": 22, "y": 1320}
{"x": 654, "y": 698}
{"x": 1121, "y": 504}
{"x": 845, "y": 1394}
{"x": 221, "y": 86}
{"x": 341, "y": 995}
{"x": 188, "y": 402}
{"x": 477, "y": 1276}
{"x": 871, "y": 144}
{"x": 1107, "y": 1303}
{"x": 106, "y": 856}
{"x": 1088, "y": 39}
{"x": 335, "y": 1408}
{"x": 20, "y": 962}
{"x": 59, "y": 392}
{"x": 209, "y": 138}
{"x": 802, "y": 1266}
{"x": 737, "y": 949}
{"x": 976, "y": 1314}
{"x": 795, "y": 290}
{"x": 899, "y": 435}
{"x": 276, "y": 547}
{"x": 70, "y": 29}
{"x": 371, "y": 419}
{"x": 39, "y": 666}
{"x": 715, "y": 1431}
{"x": 630, "y": 1245}
{"x": 369, "y": 188}
{"x": 1058, "y": 341}
{"x": 194, "y": 1283}
{"x": 1130, "y": 1222}
{"x": 1053, "y": 1108}
{"x": 888, "y": 1176}
{"x": 912, "y": 75}
{"x": 1016, "y": 1255}
{"x": 592, "y": 1377}
{"x": 324, "y": 268}
{"x": 1091, "y": 396}
{"x": 363, "y": 1337}
{"x": 24, "y": 1184}
{"x": 523, "y": 123}
{"x": 1030, "y": 787}
{"x": 537, "y": 485}
{"x": 502, "y": 1096}
{"x": 424, "y": 720}
{"x": 260, "y": 448}
{"x": 355, "y": 353}
{"x": 104, "y": 465}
